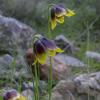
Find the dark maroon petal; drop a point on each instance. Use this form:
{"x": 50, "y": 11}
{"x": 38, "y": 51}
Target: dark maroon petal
{"x": 9, "y": 94}
{"x": 48, "y": 43}
{"x": 59, "y": 9}
{"x": 39, "y": 48}
{"x": 53, "y": 13}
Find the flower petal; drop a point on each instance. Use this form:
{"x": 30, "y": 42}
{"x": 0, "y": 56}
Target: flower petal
{"x": 42, "y": 58}
{"x": 59, "y": 50}
{"x": 59, "y": 11}
{"x": 60, "y": 19}
{"x": 51, "y": 53}
{"x": 38, "y": 47}
{"x": 35, "y": 61}
{"x": 21, "y": 98}
{"x": 49, "y": 44}
{"x": 53, "y": 24}
{"x": 69, "y": 13}
{"x": 40, "y": 52}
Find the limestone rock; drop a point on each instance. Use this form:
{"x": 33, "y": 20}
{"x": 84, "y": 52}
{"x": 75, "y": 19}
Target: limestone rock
{"x": 70, "y": 61}
{"x": 65, "y": 44}
{"x": 14, "y": 34}
{"x": 93, "y": 55}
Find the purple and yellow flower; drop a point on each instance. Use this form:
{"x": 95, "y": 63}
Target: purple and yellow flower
{"x": 13, "y": 95}
{"x": 43, "y": 47}
{"x": 57, "y": 15}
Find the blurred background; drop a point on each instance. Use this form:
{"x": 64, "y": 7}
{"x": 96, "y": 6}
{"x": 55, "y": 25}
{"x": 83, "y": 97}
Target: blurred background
{"x": 79, "y": 36}
{"x": 34, "y": 13}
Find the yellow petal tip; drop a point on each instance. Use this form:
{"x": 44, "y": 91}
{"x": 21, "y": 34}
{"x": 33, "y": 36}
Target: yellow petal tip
{"x": 59, "y": 50}
{"x": 53, "y": 24}
{"x": 70, "y": 13}
{"x": 60, "y": 19}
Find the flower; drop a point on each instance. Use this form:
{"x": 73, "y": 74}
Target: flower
{"x": 43, "y": 47}
{"x": 13, "y": 95}
{"x": 57, "y": 15}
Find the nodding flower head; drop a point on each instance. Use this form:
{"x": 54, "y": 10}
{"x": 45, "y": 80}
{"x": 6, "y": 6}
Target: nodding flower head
{"x": 43, "y": 47}
{"x": 57, "y": 15}
{"x": 13, "y": 95}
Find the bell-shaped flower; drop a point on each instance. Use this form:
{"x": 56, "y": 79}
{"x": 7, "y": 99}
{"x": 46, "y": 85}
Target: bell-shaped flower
{"x": 57, "y": 15}
{"x": 43, "y": 47}
{"x": 13, "y": 95}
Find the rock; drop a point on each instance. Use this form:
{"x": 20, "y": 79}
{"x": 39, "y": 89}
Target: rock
{"x": 5, "y": 62}
{"x": 59, "y": 69}
{"x": 26, "y": 86}
{"x": 29, "y": 56}
{"x": 6, "y": 59}
{"x": 88, "y": 83}
{"x": 65, "y": 44}
{"x": 15, "y": 38}
{"x": 42, "y": 86}
{"x": 93, "y": 55}
{"x": 70, "y": 61}
{"x": 13, "y": 67}
{"x": 14, "y": 34}
{"x": 98, "y": 97}
{"x": 64, "y": 90}
{"x": 82, "y": 87}
{"x": 28, "y": 94}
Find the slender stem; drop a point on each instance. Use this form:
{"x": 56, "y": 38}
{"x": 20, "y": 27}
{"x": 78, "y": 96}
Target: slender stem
{"x": 13, "y": 65}
{"x": 31, "y": 70}
{"x": 50, "y": 71}
{"x": 50, "y": 79}
{"x": 88, "y": 61}
{"x": 50, "y": 36}
{"x": 36, "y": 84}
{"x": 49, "y": 19}
{"x": 38, "y": 70}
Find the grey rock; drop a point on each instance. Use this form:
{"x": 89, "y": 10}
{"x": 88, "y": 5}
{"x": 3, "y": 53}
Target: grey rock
{"x": 15, "y": 37}
{"x": 65, "y": 44}
{"x": 64, "y": 90}
{"x": 5, "y": 62}
{"x": 14, "y": 34}
{"x": 42, "y": 86}
{"x": 28, "y": 94}
{"x": 93, "y": 55}
{"x": 82, "y": 87}
{"x": 70, "y": 61}
{"x": 11, "y": 67}
{"x": 60, "y": 71}
{"x": 6, "y": 59}
{"x": 88, "y": 83}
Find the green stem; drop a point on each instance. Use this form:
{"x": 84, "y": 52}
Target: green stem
{"x": 50, "y": 79}
{"x": 49, "y": 19}
{"x": 13, "y": 65}
{"x": 50, "y": 71}
{"x": 88, "y": 61}
{"x": 31, "y": 70}
{"x": 50, "y": 36}
{"x": 38, "y": 70}
{"x": 36, "y": 84}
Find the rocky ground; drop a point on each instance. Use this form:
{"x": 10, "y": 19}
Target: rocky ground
{"x": 16, "y": 55}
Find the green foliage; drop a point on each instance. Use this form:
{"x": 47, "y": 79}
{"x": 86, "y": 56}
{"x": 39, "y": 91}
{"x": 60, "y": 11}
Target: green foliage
{"x": 1, "y": 98}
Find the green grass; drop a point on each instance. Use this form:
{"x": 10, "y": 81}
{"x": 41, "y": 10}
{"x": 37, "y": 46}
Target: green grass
{"x": 1, "y": 98}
